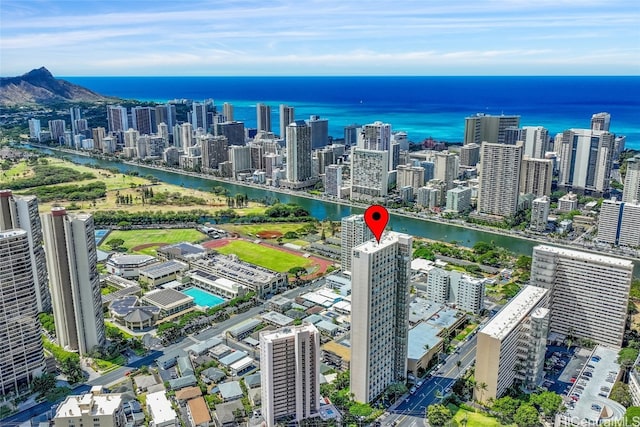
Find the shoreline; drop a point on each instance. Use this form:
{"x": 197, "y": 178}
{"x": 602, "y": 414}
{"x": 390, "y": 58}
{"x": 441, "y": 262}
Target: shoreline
{"x": 454, "y": 223}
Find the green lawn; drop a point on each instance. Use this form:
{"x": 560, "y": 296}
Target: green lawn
{"x": 133, "y": 238}
{"x": 252, "y": 229}
{"x": 264, "y": 256}
{"x": 473, "y": 419}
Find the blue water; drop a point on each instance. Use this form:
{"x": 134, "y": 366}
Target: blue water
{"x": 421, "y": 106}
{"x": 203, "y": 298}
{"x": 100, "y": 234}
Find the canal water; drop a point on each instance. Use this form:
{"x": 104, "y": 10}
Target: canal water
{"x": 323, "y": 209}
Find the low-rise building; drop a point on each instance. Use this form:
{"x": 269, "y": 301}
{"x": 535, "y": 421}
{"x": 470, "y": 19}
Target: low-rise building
{"x": 216, "y": 285}
{"x": 184, "y": 251}
{"x": 161, "y": 411}
{"x": 91, "y": 409}
{"x": 128, "y": 266}
{"x": 170, "y": 302}
{"x": 337, "y": 355}
{"x": 230, "y": 391}
{"x": 160, "y": 273}
{"x": 198, "y": 413}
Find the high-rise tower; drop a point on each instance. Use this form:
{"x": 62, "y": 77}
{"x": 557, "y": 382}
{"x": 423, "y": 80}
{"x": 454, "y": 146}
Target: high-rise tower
{"x": 263, "y": 115}
{"x": 21, "y": 354}
{"x": 290, "y": 365}
{"x": 298, "y": 152}
{"x": 353, "y": 232}
{"x": 380, "y": 314}
{"x": 22, "y": 212}
{"x": 286, "y": 118}
{"x": 70, "y": 249}
{"x": 499, "y": 178}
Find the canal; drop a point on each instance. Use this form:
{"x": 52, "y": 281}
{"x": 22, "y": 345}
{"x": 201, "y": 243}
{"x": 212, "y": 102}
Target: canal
{"x": 324, "y": 209}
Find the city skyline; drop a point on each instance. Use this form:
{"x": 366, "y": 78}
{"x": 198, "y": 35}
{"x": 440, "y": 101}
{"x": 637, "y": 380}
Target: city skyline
{"x": 248, "y": 38}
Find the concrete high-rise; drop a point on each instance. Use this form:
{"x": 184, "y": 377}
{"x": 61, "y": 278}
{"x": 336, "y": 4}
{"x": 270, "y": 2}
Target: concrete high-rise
{"x": 536, "y": 176}
{"x": 287, "y": 116}
{"x": 536, "y": 141}
{"x": 263, "y": 115}
{"x": 601, "y": 121}
{"x": 290, "y": 374}
{"x": 631, "y": 189}
{"x": 540, "y": 213}
{"x": 499, "y": 178}
{"x": 484, "y": 127}
{"x": 233, "y": 131}
{"x": 411, "y": 176}
{"x": 22, "y": 212}
{"x": 199, "y": 115}
{"x": 446, "y": 168}
{"x": 319, "y": 132}
{"x": 21, "y": 353}
{"x": 166, "y": 114}
{"x": 143, "y": 119}
{"x": 512, "y": 344}
{"x": 586, "y": 159}
{"x": 214, "y": 152}
{"x": 70, "y": 249}
{"x": 618, "y": 223}
{"x": 353, "y": 232}
{"x": 369, "y": 174}
{"x": 380, "y": 314}
{"x": 117, "y": 118}
{"x": 375, "y": 136}
{"x": 333, "y": 180}
{"x": 227, "y": 112}
{"x": 186, "y": 137}
{"x": 299, "y": 167}
{"x": 57, "y": 129}
{"x": 589, "y": 293}
{"x": 470, "y": 155}
{"x": 34, "y": 129}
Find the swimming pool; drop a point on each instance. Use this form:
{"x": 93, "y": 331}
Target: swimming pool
{"x": 100, "y": 234}
{"x": 203, "y": 298}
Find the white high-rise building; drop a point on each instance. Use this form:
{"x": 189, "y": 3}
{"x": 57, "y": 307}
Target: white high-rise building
{"x": 22, "y": 212}
{"x": 631, "y": 189}
{"x": 459, "y": 199}
{"x": 263, "y": 113}
{"x": 70, "y": 249}
{"x": 290, "y": 373}
{"x": 369, "y": 174}
{"x": 286, "y": 118}
{"x": 589, "y": 293}
{"x": 618, "y": 223}
{"x": 446, "y": 168}
{"x": 512, "y": 344}
{"x": 375, "y": 136}
{"x": 299, "y": 152}
{"x": 21, "y": 353}
{"x": 586, "y": 159}
{"x": 536, "y": 141}
{"x": 186, "y": 136}
{"x": 601, "y": 121}
{"x": 540, "y": 213}
{"x": 333, "y": 180}
{"x": 444, "y": 287}
{"x": 34, "y": 129}
{"x": 380, "y": 314}
{"x": 227, "y": 111}
{"x": 353, "y": 232}
{"x": 499, "y": 178}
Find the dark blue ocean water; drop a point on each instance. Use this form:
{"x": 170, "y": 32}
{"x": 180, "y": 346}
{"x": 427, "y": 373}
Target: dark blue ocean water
{"x": 421, "y": 106}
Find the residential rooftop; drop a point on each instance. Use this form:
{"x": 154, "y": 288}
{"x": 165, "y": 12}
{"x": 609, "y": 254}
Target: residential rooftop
{"x": 586, "y": 256}
{"x": 514, "y": 312}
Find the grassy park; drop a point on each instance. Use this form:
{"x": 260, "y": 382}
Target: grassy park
{"x": 254, "y": 229}
{"x": 152, "y": 238}
{"x": 264, "y": 256}
{"x": 463, "y": 417}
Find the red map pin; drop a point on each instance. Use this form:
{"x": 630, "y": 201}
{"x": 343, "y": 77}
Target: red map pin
{"x": 376, "y": 217}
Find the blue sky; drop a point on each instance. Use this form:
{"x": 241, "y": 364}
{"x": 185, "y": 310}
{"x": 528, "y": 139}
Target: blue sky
{"x": 325, "y": 37}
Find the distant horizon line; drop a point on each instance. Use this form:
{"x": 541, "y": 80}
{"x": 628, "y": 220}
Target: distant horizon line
{"x": 356, "y": 76}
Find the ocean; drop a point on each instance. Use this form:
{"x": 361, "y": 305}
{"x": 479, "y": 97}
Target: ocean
{"x": 421, "y": 106}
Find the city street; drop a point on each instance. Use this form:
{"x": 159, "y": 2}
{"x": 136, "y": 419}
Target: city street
{"x": 412, "y": 413}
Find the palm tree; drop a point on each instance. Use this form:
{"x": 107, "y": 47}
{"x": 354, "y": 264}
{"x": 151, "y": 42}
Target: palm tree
{"x": 458, "y": 365}
{"x": 482, "y": 387}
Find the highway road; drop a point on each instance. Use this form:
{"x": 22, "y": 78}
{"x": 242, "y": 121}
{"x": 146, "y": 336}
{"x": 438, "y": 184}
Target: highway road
{"x": 411, "y": 412}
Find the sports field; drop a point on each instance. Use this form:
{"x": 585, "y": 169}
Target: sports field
{"x": 147, "y": 241}
{"x": 264, "y": 256}
{"x": 255, "y": 229}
